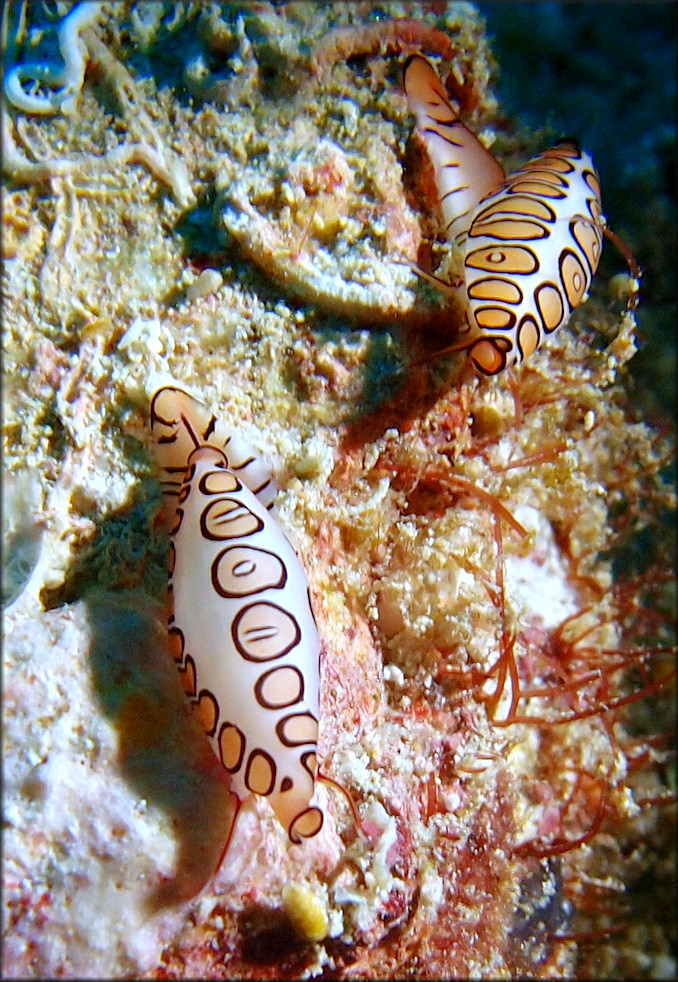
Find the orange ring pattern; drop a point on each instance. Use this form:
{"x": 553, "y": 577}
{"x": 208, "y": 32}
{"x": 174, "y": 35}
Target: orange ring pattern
{"x": 530, "y": 242}
{"x": 241, "y": 626}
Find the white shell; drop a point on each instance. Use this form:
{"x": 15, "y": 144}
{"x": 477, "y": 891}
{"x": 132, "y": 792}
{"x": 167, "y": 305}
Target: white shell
{"x": 241, "y": 626}
{"x": 530, "y": 242}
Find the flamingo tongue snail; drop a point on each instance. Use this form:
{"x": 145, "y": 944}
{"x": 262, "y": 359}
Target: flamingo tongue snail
{"x": 241, "y": 628}
{"x": 464, "y": 170}
{"x": 531, "y": 242}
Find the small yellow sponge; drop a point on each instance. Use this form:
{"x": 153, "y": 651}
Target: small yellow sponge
{"x": 307, "y": 912}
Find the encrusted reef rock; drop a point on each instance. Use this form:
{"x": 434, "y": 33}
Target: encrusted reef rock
{"x": 228, "y": 197}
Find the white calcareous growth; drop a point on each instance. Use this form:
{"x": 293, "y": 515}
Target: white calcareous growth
{"x": 62, "y": 84}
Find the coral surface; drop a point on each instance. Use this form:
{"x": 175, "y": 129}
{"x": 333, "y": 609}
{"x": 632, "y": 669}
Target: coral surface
{"x": 227, "y": 197}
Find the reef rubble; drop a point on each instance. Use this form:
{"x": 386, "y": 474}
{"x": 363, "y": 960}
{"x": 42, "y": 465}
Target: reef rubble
{"x": 226, "y": 196}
